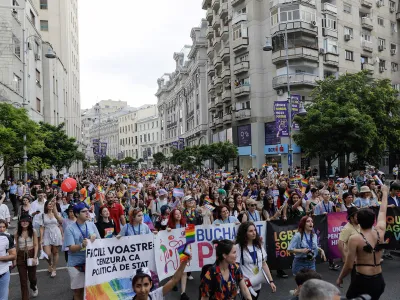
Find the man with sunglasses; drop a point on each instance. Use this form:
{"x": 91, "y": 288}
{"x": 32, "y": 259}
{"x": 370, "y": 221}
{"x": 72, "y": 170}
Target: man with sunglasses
{"x": 77, "y": 237}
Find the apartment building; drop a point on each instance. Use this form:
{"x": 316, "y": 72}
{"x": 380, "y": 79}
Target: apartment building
{"x": 182, "y": 96}
{"x": 131, "y": 129}
{"x": 148, "y": 139}
{"x": 324, "y": 38}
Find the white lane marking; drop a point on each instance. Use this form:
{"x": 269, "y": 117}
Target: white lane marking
{"x": 42, "y": 270}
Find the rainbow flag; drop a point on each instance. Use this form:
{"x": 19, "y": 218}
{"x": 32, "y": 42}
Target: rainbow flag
{"x": 378, "y": 180}
{"x": 209, "y": 207}
{"x": 286, "y": 195}
{"x": 303, "y": 189}
{"x": 298, "y": 177}
{"x": 265, "y": 165}
{"x": 100, "y": 189}
{"x": 208, "y": 200}
{"x": 197, "y": 176}
{"x": 183, "y": 177}
{"x": 218, "y": 176}
{"x": 230, "y": 178}
{"x": 125, "y": 176}
{"x": 54, "y": 182}
{"x": 184, "y": 252}
{"x": 304, "y": 182}
{"x": 189, "y": 233}
{"x": 292, "y": 180}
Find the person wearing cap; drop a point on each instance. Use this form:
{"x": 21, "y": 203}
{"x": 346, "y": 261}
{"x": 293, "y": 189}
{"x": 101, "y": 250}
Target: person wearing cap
{"x": 190, "y": 213}
{"x": 27, "y": 256}
{"x": 36, "y": 210}
{"x": 252, "y": 214}
{"x": 352, "y": 227}
{"x": 156, "y": 203}
{"x": 77, "y": 237}
{"x": 364, "y": 198}
{"x": 142, "y": 284}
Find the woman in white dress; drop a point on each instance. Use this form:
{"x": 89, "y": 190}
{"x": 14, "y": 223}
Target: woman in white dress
{"x": 50, "y": 230}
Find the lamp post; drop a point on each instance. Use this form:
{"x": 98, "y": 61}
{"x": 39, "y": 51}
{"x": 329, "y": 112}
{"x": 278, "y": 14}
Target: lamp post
{"x": 97, "y": 110}
{"x": 302, "y": 111}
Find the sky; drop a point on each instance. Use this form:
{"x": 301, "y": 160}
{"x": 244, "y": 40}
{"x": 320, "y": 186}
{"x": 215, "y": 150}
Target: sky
{"x": 127, "y": 45}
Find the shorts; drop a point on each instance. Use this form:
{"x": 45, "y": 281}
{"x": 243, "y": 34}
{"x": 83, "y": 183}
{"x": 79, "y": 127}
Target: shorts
{"x": 373, "y": 285}
{"x": 77, "y": 278}
{"x": 302, "y": 263}
{"x": 37, "y": 230}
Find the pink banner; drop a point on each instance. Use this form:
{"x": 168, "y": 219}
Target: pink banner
{"x": 336, "y": 221}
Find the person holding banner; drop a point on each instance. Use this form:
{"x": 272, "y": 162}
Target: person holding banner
{"x": 304, "y": 245}
{"x": 223, "y": 279}
{"x": 223, "y": 216}
{"x": 365, "y": 249}
{"x": 352, "y": 227}
{"x": 252, "y": 259}
{"x": 135, "y": 225}
{"x": 77, "y": 236}
{"x": 364, "y": 199}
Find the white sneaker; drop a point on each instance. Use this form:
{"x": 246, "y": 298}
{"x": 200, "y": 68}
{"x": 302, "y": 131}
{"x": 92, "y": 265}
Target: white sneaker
{"x": 190, "y": 277}
{"x": 35, "y": 293}
{"x": 43, "y": 255}
{"x": 15, "y": 218}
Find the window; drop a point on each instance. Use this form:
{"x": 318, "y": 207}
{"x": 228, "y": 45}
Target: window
{"x": 17, "y": 82}
{"x": 145, "y": 137}
{"x": 329, "y": 22}
{"x": 349, "y": 55}
{"x": 393, "y": 27}
{"x": 274, "y": 18}
{"x": 37, "y": 77}
{"x": 291, "y": 15}
{"x": 366, "y": 36}
{"x": 330, "y": 46}
{"x": 381, "y": 42}
{"x": 33, "y": 18}
{"x": 381, "y": 22}
{"x": 393, "y": 48}
{"x": 382, "y": 64}
{"x": 141, "y": 139}
{"x": 38, "y": 104}
{"x": 348, "y": 30}
{"x": 244, "y": 57}
{"x": 239, "y": 31}
{"x": 17, "y": 46}
{"x": 347, "y": 8}
{"x": 44, "y": 25}
{"x": 395, "y": 67}
{"x": 392, "y": 5}
{"x": 43, "y": 4}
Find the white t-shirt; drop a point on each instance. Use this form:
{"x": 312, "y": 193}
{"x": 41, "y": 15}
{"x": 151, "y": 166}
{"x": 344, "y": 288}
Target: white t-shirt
{"x": 6, "y": 243}
{"x": 36, "y": 206}
{"x": 248, "y": 265}
{"x": 4, "y": 212}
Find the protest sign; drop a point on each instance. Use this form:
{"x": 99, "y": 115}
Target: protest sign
{"x": 110, "y": 264}
{"x": 167, "y": 243}
{"x": 336, "y": 222}
{"x": 178, "y": 192}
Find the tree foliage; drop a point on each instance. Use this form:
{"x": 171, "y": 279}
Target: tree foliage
{"x": 159, "y": 158}
{"x": 351, "y": 114}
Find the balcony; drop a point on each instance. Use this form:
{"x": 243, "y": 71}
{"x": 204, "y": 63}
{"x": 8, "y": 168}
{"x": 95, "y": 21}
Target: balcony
{"x": 210, "y": 51}
{"x": 242, "y": 91}
{"x": 367, "y": 46}
{"x": 215, "y": 4}
{"x": 331, "y": 59}
{"x": 210, "y": 70}
{"x": 205, "y": 4}
{"x": 243, "y": 114}
{"x": 295, "y": 26}
{"x": 216, "y": 22}
{"x": 219, "y": 122}
{"x": 211, "y": 106}
{"x": 295, "y": 53}
{"x": 367, "y": 23}
{"x": 330, "y": 32}
{"x": 217, "y": 62}
{"x": 274, "y": 3}
{"x": 298, "y": 79}
{"x": 241, "y": 67}
{"x": 210, "y": 32}
{"x": 218, "y": 102}
{"x": 239, "y": 44}
{"x": 239, "y": 18}
{"x": 225, "y": 54}
{"x": 226, "y": 96}
{"x": 211, "y": 87}
{"x": 368, "y": 67}
{"x": 366, "y": 3}
{"x": 225, "y": 33}
{"x": 236, "y": 2}
{"x": 226, "y": 74}
{"x": 329, "y": 8}
{"x": 227, "y": 118}
{"x": 223, "y": 10}
{"x": 212, "y": 125}
{"x": 216, "y": 41}
{"x": 217, "y": 82}
{"x": 209, "y": 14}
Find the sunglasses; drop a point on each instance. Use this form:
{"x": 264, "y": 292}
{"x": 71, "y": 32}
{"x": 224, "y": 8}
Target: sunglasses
{"x": 252, "y": 205}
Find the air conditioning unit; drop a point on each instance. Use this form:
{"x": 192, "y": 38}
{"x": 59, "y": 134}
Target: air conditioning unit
{"x": 321, "y": 51}
{"x": 381, "y": 48}
{"x": 37, "y": 56}
{"x": 347, "y": 37}
{"x": 313, "y": 24}
{"x": 379, "y": 3}
{"x": 280, "y": 92}
{"x": 392, "y": 9}
{"x": 393, "y": 51}
{"x": 381, "y": 69}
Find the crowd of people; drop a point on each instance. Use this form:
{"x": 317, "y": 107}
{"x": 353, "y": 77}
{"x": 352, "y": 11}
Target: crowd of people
{"x": 125, "y": 202}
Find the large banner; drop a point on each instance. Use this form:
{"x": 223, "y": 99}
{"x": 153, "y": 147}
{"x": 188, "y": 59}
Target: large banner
{"x": 336, "y": 222}
{"x": 203, "y": 252}
{"x": 110, "y": 264}
{"x": 281, "y": 118}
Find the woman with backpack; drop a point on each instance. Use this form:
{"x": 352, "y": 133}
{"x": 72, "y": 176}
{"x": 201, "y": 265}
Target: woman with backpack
{"x": 223, "y": 279}
{"x": 252, "y": 257}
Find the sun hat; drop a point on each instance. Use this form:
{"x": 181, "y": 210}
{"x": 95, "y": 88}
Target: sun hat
{"x": 188, "y": 198}
{"x": 365, "y": 189}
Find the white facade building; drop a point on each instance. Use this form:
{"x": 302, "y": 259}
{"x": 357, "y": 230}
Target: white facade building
{"x": 149, "y": 139}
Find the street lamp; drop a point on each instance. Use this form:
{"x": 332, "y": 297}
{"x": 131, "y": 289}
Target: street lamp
{"x": 302, "y": 111}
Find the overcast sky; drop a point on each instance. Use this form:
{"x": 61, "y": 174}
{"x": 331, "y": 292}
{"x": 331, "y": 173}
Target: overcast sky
{"x": 126, "y": 45}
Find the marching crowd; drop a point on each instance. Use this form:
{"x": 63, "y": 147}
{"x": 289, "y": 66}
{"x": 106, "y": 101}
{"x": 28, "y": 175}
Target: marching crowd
{"x": 124, "y": 202}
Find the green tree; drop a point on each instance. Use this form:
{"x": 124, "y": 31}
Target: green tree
{"x": 222, "y": 153}
{"x": 115, "y": 162}
{"x": 36, "y": 164}
{"x": 105, "y": 162}
{"x": 159, "y": 158}
{"x": 128, "y": 161}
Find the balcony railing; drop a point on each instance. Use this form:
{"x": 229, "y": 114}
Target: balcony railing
{"x": 241, "y": 91}
{"x": 294, "y": 53}
{"x": 274, "y": 3}
{"x": 223, "y": 10}
{"x": 226, "y": 95}
{"x": 243, "y": 114}
{"x": 367, "y": 46}
{"x": 366, "y": 3}
{"x": 241, "y": 67}
{"x": 367, "y": 23}
{"x": 239, "y": 44}
{"x": 239, "y": 18}
{"x": 295, "y": 26}
{"x": 227, "y": 118}
{"x": 295, "y": 79}
{"x": 215, "y": 4}
{"x": 226, "y": 74}
{"x": 236, "y": 2}
{"x": 331, "y": 59}
{"x": 225, "y": 53}
{"x": 368, "y": 67}
{"x": 210, "y": 32}
{"x": 209, "y": 14}
{"x": 330, "y": 8}
{"x": 218, "y": 101}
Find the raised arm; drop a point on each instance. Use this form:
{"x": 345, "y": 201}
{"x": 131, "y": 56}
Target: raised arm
{"x": 381, "y": 223}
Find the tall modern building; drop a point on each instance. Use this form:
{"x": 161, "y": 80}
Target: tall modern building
{"x": 323, "y": 38}
{"x": 182, "y": 96}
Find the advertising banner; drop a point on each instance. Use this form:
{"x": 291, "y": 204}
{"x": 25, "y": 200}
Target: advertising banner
{"x": 244, "y": 135}
{"x": 281, "y": 118}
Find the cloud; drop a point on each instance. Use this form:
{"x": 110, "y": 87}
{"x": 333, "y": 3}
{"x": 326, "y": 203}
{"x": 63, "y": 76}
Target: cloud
{"x": 126, "y": 45}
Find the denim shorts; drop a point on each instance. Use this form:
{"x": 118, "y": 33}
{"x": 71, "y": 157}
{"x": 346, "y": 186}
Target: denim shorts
{"x": 4, "y": 285}
{"x": 302, "y": 263}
